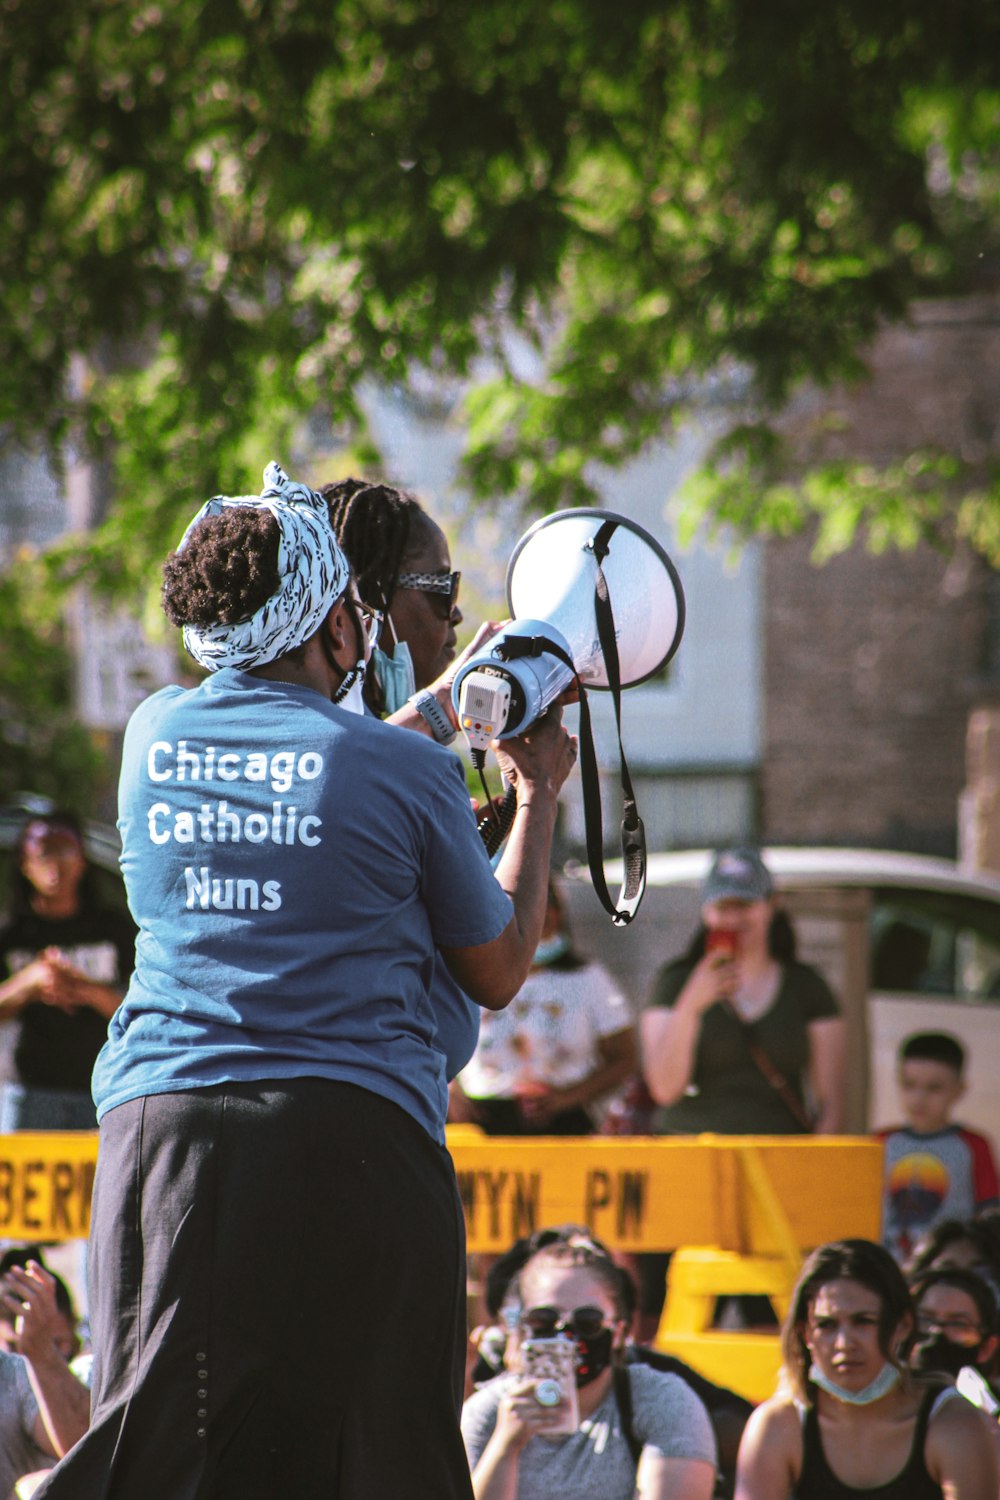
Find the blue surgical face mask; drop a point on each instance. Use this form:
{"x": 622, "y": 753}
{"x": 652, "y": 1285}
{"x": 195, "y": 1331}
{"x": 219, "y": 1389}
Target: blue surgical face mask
{"x": 885, "y": 1381}
{"x": 394, "y": 675}
{"x": 549, "y": 949}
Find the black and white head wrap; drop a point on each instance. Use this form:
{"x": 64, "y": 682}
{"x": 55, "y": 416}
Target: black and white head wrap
{"x": 313, "y": 573}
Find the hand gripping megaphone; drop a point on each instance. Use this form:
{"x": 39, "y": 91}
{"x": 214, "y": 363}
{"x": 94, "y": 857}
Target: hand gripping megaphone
{"x": 593, "y": 598}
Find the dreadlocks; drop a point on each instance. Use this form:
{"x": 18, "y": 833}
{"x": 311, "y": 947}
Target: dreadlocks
{"x": 373, "y": 524}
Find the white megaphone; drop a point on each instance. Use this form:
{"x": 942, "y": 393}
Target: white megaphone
{"x": 593, "y": 598}
{"x": 552, "y": 581}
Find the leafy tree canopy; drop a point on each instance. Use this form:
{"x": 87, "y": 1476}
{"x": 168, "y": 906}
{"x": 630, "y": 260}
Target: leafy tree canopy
{"x": 43, "y": 747}
{"x": 220, "y": 215}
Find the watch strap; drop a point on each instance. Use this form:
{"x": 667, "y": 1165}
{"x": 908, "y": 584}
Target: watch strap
{"x": 434, "y": 716}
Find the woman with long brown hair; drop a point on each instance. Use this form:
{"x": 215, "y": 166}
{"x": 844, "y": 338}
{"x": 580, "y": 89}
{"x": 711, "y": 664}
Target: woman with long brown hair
{"x": 851, "y": 1420}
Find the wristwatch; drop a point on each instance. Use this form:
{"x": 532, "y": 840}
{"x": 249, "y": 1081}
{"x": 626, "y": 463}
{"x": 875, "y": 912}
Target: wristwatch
{"x": 434, "y": 715}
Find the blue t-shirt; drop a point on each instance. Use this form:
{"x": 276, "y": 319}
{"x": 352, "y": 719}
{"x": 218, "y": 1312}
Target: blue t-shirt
{"x": 292, "y": 869}
{"x": 457, "y": 1020}
{"x": 457, "y": 1016}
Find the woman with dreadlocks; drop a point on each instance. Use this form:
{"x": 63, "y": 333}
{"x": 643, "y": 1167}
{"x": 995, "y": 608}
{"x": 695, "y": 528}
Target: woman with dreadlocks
{"x": 277, "y": 1251}
{"x": 403, "y": 567}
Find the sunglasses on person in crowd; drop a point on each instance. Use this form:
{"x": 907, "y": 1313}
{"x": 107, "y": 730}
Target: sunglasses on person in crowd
{"x": 546, "y": 1322}
{"x": 961, "y": 1329}
{"x": 442, "y": 587}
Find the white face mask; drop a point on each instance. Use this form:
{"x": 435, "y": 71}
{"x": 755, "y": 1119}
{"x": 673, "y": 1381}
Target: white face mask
{"x": 884, "y": 1381}
{"x": 549, "y": 949}
{"x": 349, "y": 693}
{"x": 353, "y": 699}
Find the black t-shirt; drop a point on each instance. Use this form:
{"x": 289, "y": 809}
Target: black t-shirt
{"x": 56, "y": 1049}
{"x": 728, "y": 1093}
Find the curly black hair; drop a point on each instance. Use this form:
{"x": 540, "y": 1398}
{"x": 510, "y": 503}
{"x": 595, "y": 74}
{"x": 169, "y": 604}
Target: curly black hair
{"x": 227, "y": 569}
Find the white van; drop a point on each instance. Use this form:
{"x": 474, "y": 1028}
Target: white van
{"x": 907, "y": 944}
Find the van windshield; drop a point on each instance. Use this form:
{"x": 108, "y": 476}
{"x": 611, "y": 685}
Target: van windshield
{"x": 935, "y": 943}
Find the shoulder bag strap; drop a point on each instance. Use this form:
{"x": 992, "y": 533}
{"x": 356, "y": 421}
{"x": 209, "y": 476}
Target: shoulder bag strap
{"x": 771, "y": 1073}
{"x": 623, "y": 1396}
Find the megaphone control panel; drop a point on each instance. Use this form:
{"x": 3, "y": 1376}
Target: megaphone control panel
{"x": 503, "y": 691}
{"x": 484, "y": 705}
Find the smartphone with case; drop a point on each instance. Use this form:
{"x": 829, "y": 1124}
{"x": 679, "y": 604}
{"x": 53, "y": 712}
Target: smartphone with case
{"x": 723, "y": 940}
{"x": 551, "y": 1364}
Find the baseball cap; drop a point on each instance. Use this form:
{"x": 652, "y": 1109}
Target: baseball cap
{"x": 737, "y": 875}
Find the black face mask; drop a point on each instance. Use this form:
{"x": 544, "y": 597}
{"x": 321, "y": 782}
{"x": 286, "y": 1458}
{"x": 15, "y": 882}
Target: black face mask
{"x": 593, "y": 1356}
{"x": 942, "y": 1355}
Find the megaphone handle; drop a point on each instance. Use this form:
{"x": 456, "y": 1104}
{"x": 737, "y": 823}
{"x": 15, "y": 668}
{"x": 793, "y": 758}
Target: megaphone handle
{"x": 494, "y": 825}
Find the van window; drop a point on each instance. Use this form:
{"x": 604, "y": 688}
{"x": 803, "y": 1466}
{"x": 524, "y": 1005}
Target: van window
{"x": 936, "y": 943}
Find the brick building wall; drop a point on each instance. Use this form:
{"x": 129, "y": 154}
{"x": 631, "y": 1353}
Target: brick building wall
{"x": 872, "y": 664}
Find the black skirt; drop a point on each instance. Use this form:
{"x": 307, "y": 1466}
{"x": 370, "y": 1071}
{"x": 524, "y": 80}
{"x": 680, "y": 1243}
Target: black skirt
{"x": 277, "y": 1299}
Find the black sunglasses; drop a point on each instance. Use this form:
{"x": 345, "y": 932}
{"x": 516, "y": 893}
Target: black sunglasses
{"x": 443, "y": 586}
{"x": 546, "y": 1322}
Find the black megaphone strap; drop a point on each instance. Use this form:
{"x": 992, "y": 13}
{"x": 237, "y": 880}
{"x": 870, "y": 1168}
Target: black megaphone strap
{"x": 633, "y": 834}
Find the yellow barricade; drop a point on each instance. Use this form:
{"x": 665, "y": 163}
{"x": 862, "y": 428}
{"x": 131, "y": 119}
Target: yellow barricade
{"x": 46, "y": 1184}
{"x": 764, "y": 1195}
{"x": 741, "y": 1209}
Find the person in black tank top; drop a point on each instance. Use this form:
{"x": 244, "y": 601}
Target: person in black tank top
{"x": 851, "y": 1420}
{"x": 817, "y": 1481}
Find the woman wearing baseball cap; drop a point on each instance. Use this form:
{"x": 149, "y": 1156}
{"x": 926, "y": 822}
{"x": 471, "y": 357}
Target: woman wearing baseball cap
{"x": 739, "y": 1037}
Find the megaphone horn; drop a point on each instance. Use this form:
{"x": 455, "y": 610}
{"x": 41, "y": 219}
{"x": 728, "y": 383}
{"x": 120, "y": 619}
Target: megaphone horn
{"x": 552, "y": 575}
{"x": 593, "y": 597}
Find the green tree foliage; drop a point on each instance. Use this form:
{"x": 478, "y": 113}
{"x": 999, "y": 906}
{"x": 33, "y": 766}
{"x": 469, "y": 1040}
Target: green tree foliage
{"x": 220, "y": 215}
{"x": 43, "y": 749}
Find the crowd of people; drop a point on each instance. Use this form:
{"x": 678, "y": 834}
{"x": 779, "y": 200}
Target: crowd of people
{"x": 327, "y": 967}
{"x": 890, "y": 1383}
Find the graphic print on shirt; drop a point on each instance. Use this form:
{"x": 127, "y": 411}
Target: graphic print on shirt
{"x": 228, "y": 820}
{"x": 948, "y": 1174}
{"x": 916, "y": 1187}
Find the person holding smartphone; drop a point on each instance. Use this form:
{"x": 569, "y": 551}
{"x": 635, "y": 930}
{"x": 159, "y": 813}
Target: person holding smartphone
{"x": 739, "y": 1037}
{"x": 609, "y": 1430}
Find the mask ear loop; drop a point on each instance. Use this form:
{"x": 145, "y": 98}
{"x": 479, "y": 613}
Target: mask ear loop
{"x": 387, "y": 620}
{"x": 355, "y": 673}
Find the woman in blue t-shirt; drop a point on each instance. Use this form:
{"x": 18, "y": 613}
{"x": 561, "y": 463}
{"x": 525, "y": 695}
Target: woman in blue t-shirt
{"x": 277, "y": 1243}
{"x": 402, "y": 563}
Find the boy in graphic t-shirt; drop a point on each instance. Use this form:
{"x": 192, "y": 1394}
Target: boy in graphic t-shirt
{"x": 934, "y": 1168}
